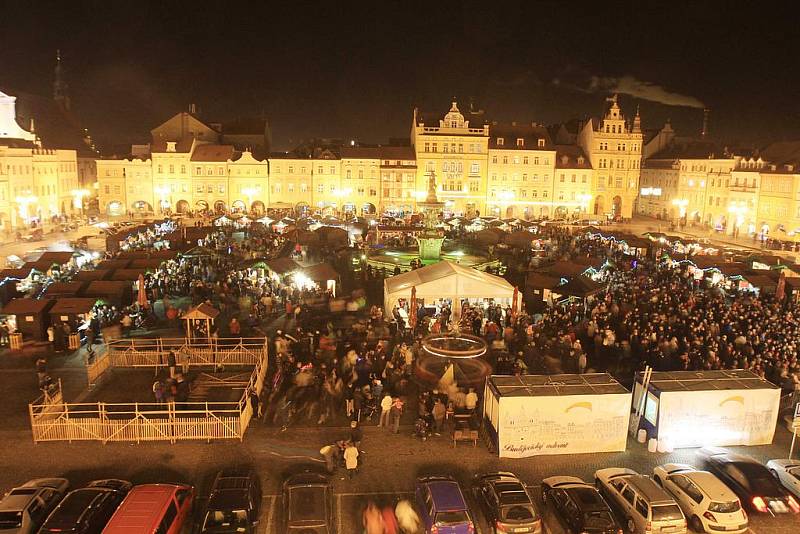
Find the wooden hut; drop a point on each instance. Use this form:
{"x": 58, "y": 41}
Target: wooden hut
{"x": 31, "y": 316}
{"x": 75, "y": 311}
{"x": 112, "y": 292}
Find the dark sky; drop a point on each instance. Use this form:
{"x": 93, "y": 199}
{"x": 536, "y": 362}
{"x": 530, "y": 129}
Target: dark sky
{"x": 350, "y": 69}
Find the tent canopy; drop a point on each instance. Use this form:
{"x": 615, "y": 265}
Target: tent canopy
{"x": 446, "y": 280}
{"x": 202, "y": 311}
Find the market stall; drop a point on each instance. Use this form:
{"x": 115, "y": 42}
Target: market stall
{"x": 447, "y": 283}
{"x": 322, "y": 275}
{"x": 708, "y": 408}
{"x": 114, "y": 264}
{"x": 532, "y": 415}
{"x": 65, "y": 289}
{"x": 92, "y": 275}
{"x": 29, "y": 316}
{"x": 74, "y": 311}
{"x": 113, "y": 293}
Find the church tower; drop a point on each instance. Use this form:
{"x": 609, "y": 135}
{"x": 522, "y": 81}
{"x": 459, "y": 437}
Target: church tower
{"x": 60, "y": 87}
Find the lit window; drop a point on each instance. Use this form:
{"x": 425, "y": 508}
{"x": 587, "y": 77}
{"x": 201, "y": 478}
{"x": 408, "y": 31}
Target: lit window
{"x": 500, "y": 141}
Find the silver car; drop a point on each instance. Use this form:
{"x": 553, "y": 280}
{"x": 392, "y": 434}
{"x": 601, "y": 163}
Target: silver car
{"x": 24, "y": 509}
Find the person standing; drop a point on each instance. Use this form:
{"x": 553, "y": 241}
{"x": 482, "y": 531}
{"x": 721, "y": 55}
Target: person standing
{"x": 439, "y": 412}
{"x": 407, "y": 518}
{"x": 172, "y": 363}
{"x": 351, "y": 459}
{"x": 471, "y": 400}
{"x": 356, "y": 434}
{"x": 328, "y": 452}
{"x": 386, "y": 408}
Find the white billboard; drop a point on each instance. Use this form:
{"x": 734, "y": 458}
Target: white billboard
{"x": 718, "y": 417}
{"x": 570, "y": 424}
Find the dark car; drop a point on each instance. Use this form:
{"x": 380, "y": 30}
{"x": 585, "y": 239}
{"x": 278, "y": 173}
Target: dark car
{"x": 308, "y": 504}
{"x": 506, "y": 503}
{"x": 442, "y": 506}
{"x": 750, "y": 480}
{"x": 233, "y": 503}
{"x": 87, "y": 510}
{"x": 579, "y": 506}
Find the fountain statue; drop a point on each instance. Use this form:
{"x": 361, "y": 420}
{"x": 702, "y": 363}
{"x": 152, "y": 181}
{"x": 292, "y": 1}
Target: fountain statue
{"x": 430, "y": 240}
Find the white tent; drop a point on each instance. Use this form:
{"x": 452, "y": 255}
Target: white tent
{"x": 450, "y": 281}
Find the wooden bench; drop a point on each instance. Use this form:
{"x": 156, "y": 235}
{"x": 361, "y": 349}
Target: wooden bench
{"x": 465, "y": 434}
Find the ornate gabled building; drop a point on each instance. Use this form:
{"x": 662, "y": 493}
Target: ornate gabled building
{"x": 614, "y": 149}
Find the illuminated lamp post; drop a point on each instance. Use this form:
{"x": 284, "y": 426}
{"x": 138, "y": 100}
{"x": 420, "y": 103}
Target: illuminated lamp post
{"x": 77, "y": 199}
{"x": 738, "y": 212}
{"x": 24, "y": 202}
{"x": 585, "y": 200}
{"x": 681, "y": 204}
{"x": 250, "y": 192}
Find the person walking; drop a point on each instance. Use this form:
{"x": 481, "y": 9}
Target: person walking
{"x": 356, "y": 434}
{"x": 439, "y": 411}
{"x": 396, "y": 412}
{"x": 386, "y": 408}
{"x": 407, "y": 518}
{"x": 351, "y": 459}
{"x": 372, "y": 519}
{"x": 328, "y": 452}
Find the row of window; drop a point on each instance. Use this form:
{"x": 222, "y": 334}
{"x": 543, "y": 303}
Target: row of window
{"x": 515, "y": 177}
{"x": 454, "y": 148}
{"x": 621, "y": 147}
{"x": 540, "y": 143}
{"x": 604, "y": 163}
{"x": 525, "y": 161}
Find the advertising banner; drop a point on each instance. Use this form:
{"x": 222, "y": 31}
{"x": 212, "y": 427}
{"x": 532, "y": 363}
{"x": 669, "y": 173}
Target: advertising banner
{"x": 718, "y": 417}
{"x": 570, "y": 424}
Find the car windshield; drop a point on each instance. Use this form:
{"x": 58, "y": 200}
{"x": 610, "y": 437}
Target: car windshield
{"x": 724, "y": 507}
{"x": 667, "y": 512}
{"x": 10, "y": 520}
{"x": 225, "y": 518}
{"x": 451, "y": 518}
{"x": 307, "y": 504}
{"x": 518, "y": 512}
{"x": 598, "y": 519}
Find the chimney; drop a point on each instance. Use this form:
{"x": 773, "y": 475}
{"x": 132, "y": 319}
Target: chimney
{"x": 704, "y": 131}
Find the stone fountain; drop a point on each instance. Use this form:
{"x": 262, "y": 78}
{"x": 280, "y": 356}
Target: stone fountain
{"x": 430, "y": 241}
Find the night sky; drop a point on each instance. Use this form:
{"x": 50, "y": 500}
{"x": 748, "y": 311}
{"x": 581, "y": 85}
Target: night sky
{"x": 347, "y": 69}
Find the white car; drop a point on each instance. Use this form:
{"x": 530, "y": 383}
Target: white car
{"x": 788, "y": 474}
{"x": 709, "y": 505}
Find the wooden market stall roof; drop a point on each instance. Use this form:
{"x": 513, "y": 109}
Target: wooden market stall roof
{"x": 92, "y": 275}
{"x": 26, "y": 306}
{"x": 73, "y": 305}
{"x": 541, "y": 281}
{"x": 580, "y": 286}
{"x": 70, "y": 289}
{"x": 131, "y": 255}
{"x": 321, "y": 272}
{"x": 113, "y": 264}
{"x": 164, "y": 254}
{"x": 41, "y": 266}
{"x": 60, "y": 258}
{"x": 201, "y": 311}
{"x": 129, "y": 275}
{"x": 108, "y": 289}
{"x": 19, "y": 274}
{"x": 150, "y": 264}
{"x": 565, "y": 269}
{"x": 282, "y": 266}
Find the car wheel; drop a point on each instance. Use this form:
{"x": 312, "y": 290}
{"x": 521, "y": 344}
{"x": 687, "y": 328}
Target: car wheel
{"x": 631, "y": 525}
{"x": 696, "y": 524}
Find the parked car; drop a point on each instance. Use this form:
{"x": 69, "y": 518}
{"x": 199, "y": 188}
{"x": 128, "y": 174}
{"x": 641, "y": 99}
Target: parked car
{"x": 708, "y": 504}
{"x": 308, "y": 504}
{"x": 645, "y": 507}
{"x": 506, "y": 503}
{"x": 751, "y": 481}
{"x": 443, "y": 509}
{"x": 579, "y": 506}
{"x": 153, "y": 509}
{"x": 788, "y": 473}
{"x": 233, "y": 503}
{"x": 24, "y": 509}
{"x": 87, "y": 510}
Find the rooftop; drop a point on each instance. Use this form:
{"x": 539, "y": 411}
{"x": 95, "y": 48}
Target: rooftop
{"x": 556, "y": 385}
{"x": 706, "y": 380}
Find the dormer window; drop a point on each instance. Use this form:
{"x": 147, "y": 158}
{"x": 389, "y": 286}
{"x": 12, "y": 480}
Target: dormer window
{"x": 540, "y": 143}
{"x": 564, "y": 160}
{"x": 520, "y": 142}
{"x": 500, "y": 141}
{"x": 580, "y": 160}
{"x": 790, "y": 168}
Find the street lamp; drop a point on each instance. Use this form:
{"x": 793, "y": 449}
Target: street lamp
{"x": 585, "y": 199}
{"x": 163, "y": 192}
{"x": 24, "y": 202}
{"x": 250, "y": 192}
{"x": 77, "y": 198}
{"x": 681, "y": 203}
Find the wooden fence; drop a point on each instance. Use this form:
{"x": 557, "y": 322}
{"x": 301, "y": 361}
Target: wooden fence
{"x": 211, "y": 354}
{"x": 54, "y": 420}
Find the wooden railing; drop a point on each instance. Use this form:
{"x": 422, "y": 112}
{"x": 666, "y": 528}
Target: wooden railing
{"x": 54, "y": 420}
{"x": 211, "y": 354}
